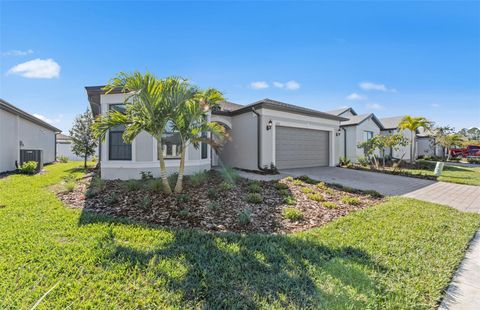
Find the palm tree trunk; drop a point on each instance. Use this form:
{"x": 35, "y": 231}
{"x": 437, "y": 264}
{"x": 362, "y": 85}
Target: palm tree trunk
{"x": 163, "y": 169}
{"x": 414, "y": 148}
{"x": 411, "y": 146}
{"x": 181, "y": 171}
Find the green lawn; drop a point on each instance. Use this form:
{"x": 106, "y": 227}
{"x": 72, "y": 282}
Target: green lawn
{"x": 400, "y": 254}
{"x": 453, "y": 174}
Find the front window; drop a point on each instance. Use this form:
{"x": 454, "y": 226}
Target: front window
{"x": 171, "y": 143}
{"x": 367, "y": 135}
{"x": 117, "y": 148}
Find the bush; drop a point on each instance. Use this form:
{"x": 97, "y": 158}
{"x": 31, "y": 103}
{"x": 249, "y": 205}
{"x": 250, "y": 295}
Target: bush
{"x": 420, "y": 164}
{"x": 254, "y": 198}
{"x": 289, "y": 200}
{"x": 363, "y": 161}
{"x": 322, "y": 185}
{"x": 90, "y": 193}
{"x": 132, "y": 185}
{"x": 198, "y": 178}
{"x": 145, "y": 203}
{"x": 292, "y": 214}
{"x": 184, "y": 213}
{"x": 62, "y": 159}
{"x": 307, "y": 179}
{"x": 280, "y": 186}
{"x": 112, "y": 199}
{"x": 306, "y": 190}
{"x": 181, "y": 198}
{"x": 245, "y": 217}
{"x": 146, "y": 175}
{"x": 229, "y": 174}
{"x": 155, "y": 185}
{"x": 29, "y": 167}
{"x": 254, "y": 187}
{"x": 212, "y": 193}
{"x": 373, "y": 193}
{"x": 284, "y": 192}
{"x": 70, "y": 186}
{"x": 330, "y": 205}
{"x": 316, "y": 197}
{"x": 354, "y": 201}
{"x": 297, "y": 182}
{"x": 172, "y": 179}
{"x": 226, "y": 186}
{"x": 288, "y": 179}
{"x": 472, "y": 160}
{"x": 344, "y": 161}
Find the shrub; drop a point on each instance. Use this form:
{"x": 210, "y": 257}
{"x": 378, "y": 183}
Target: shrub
{"x": 172, "y": 179}
{"x": 212, "y": 193}
{"x": 226, "y": 186}
{"x": 289, "y": 200}
{"x": 69, "y": 186}
{"x": 155, "y": 185}
{"x": 322, "y": 185}
{"x": 146, "y": 175}
{"x": 254, "y": 198}
{"x": 90, "y": 193}
{"x": 94, "y": 158}
{"x": 281, "y": 186}
{"x": 316, "y": 197}
{"x": 98, "y": 184}
{"x": 363, "y": 161}
{"x": 330, "y": 205}
{"x": 213, "y": 206}
{"x": 184, "y": 213}
{"x": 29, "y": 167}
{"x": 292, "y": 214}
{"x": 62, "y": 159}
{"x": 245, "y": 217}
{"x": 373, "y": 194}
{"x": 344, "y": 161}
{"x": 306, "y": 190}
{"x": 132, "y": 185}
{"x": 111, "y": 199}
{"x": 145, "y": 203}
{"x": 354, "y": 201}
{"x": 254, "y": 187}
{"x": 328, "y": 191}
{"x": 307, "y": 179}
{"x": 181, "y": 198}
{"x": 472, "y": 160}
{"x": 297, "y": 182}
{"x": 288, "y": 179}
{"x": 284, "y": 192}
{"x": 198, "y": 178}
{"x": 229, "y": 174}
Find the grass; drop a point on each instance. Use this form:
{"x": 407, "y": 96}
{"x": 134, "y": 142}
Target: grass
{"x": 292, "y": 214}
{"x": 372, "y": 258}
{"x": 452, "y": 174}
{"x": 354, "y": 201}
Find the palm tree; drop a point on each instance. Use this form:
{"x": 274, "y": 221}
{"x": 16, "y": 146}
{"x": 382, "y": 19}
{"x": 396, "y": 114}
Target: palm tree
{"x": 191, "y": 121}
{"x": 413, "y": 124}
{"x": 449, "y": 140}
{"x": 148, "y": 107}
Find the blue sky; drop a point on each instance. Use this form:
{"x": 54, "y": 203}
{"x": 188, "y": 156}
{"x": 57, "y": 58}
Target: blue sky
{"x": 390, "y": 58}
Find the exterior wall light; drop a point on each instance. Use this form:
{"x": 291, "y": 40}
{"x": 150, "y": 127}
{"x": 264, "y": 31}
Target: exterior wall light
{"x": 339, "y": 131}
{"x": 269, "y": 125}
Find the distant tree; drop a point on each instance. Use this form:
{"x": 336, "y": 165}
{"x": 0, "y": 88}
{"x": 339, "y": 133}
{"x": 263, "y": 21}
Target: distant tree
{"x": 450, "y": 140}
{"x": 441, "y": 133}
{"x": 473, "y": 133}
{"x": 413, "y": 124}
{"x": 84, "y": 141}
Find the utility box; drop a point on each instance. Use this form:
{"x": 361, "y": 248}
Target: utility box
{"x": 32, "y": 155}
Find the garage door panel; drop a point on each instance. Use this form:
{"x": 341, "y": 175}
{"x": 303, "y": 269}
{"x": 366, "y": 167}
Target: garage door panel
{"x": 298, "y": 147}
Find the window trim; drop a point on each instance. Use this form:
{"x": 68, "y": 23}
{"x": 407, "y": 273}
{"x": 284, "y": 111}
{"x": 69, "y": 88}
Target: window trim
{"x": 110, "y": 131}
{"x": 368, "y": 132}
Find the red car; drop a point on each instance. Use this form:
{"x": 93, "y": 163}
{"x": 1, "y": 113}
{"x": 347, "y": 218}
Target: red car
{"x": 469, "y": 151}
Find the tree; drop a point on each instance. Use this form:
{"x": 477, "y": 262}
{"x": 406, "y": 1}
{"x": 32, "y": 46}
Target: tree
{"x": 148, "y": 107}
{"x": 83, "y": 138}
{"x": 440, "y": 134}
{"x": 450, "y": 140}
{"x": 413, "y": 124}
{"x": 381, "y": 143}
{"x": 191, "y": 121}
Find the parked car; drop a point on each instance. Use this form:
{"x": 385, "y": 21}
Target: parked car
{"x": 469, "y": 151}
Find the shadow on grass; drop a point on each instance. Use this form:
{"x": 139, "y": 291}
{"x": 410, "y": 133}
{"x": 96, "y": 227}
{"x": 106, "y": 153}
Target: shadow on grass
{"x": 230, "y": 270}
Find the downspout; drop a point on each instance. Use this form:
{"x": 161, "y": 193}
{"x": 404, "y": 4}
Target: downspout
{"x": 344, "y": 142}
{"x": 259, "y": 141}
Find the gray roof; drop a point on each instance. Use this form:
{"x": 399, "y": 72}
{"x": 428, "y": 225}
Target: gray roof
{"x": 391, "y": 122}
{"x": 4, "y": 105}
{"x": 341, "y": 111}
{"x": 229, "y": 106}
{"x": 358, "y": 119}
{"x": 61, "y": 136}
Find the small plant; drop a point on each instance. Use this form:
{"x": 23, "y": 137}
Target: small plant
{"x": 297, "y": 182}
{"x": 132, "y": 185}
{"x": 29, "y": 167}
{"x": 363, "y": 161}
{"x": 69, "y": 178}
{"x": 328, "y": 191}
{"x": 289, "y": 179}
{"x": 229, "y": 174}
{"x": 172, "y": 179}
{"x": 226, "y": 186}
{"x": 307, "y": 179}
{"x": 354, "y": 201}
{"x": 284, "y": 192}
{"x": 344, "y": 161}
{"x": 292, "y": 214}
{"x": 198, "y": 178}
{"x": 245, "y": 217}
{"x": 155, "y": 185}
{"x": 145, "y": 203}
{"x": 254, "y": 198}
{"x": 373, "y": 194}
{"x": 281, "y": 186}
{"x": 306, "y": 190}
{"x": 330, "y": 205}
{"x": 69, "y": 186}
{"x": 183, "y": 198}
{"x": 94, "y": 159}
{"x": 98, "y": 184}
{"x": 146, "y": 175}
{"x": 322, "y": 185}
{"x": 212, "y": 193}
{"x": 289, "y": 200}
{"x": 213, "y": 206}
{"x": 254, "y": 187}
{"x": 90, "y": 193}
{"x": 112, "y": 199}
{"x": 316, "y": 197}
{"x": 184, "y": 213}
{"x": 62, "y": 159}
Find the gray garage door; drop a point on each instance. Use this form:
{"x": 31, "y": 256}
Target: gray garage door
{"x": 298, "y": 148}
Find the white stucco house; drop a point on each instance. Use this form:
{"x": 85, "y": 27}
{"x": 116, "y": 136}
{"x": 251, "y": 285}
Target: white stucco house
{"x": 262, "y": 133}
{"x": 21, "y": 131}
{"x": 64, "y": 147}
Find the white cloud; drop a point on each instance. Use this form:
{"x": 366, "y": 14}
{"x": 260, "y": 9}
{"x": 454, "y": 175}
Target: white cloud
{"x": 17, "y": 53}
{"x": 292, "y": 85}
{"x": 48, "y": 120}
{"x": 374, "y": 106}
{"x": 259, "y": 85}
{"x": 278, "y": 84}
{"x": 37, "y": 69}
{"x": 435, "y": 105}
{"x": 374, "y": 86}
{"x": 355, "y": 96}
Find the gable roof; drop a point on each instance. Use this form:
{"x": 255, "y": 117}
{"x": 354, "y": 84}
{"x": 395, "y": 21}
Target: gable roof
{"x": 62, "y": 137}
{"x": 341, "y": 111}
{"x": 358, "y": 119}
{"x": 391, "y": 122}
{"x": 4, "y": 105}
{"x": 229, "y": 106}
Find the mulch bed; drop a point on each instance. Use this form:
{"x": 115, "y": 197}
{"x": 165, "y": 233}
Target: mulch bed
{"x": 198, "y": 207}
{"x": 398, "y": 171}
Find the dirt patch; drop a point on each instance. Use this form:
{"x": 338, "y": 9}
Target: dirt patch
{"x": 215, "y": 205}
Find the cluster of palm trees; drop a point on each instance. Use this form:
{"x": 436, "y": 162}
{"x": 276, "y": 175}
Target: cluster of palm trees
{"x": 152, "y": 103}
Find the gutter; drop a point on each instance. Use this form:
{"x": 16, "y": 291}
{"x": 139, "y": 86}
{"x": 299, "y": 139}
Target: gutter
{"x": 259, "y": 141}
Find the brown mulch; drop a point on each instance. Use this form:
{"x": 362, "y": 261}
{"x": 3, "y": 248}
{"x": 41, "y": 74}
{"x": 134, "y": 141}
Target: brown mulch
{"x": 193, "y": 208}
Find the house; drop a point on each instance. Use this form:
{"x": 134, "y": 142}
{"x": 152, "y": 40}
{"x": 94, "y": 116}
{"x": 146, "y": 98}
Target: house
{"x": 64, "y": 147}
{"x": 20, "y": 130}
{"x": 263, "y": 133}
{"x": 355, "y": 130}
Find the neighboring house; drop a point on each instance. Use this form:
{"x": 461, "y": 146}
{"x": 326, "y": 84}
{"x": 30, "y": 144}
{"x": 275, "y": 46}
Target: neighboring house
{"x": 262, "y": 133}
{"x": 22, "y": 131}
{"x": 64, "y": 147}
{"x": 355, "y": 130}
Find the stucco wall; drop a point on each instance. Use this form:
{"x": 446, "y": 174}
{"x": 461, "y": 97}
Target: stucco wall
{"x": 37, "y": 137}
{"x": 368, "y": 125}
{"x": 9, "y": 145}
